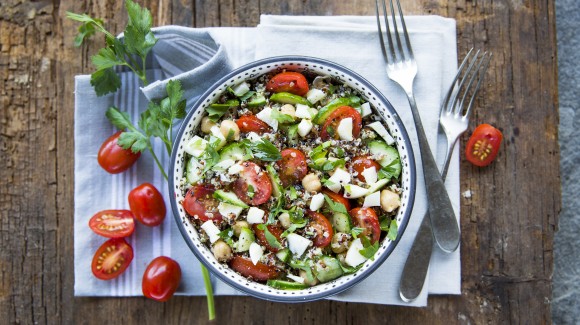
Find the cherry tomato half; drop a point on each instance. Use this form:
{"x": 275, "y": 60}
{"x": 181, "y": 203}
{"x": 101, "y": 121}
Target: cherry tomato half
{"x": 329, "y": 129}
{"x": 323, "y": 229}
{"x": 258, "y": 272}
{"x": 483, "y": 145}
{"x": 112, "y": 259}
{"x": 252, "y": 175}
{"x": 293, "y": 166}
{"x": 367, "y": 219}
{"x": 147, "y": 205}
{"x": 113, "y": 158}
{"x": 290, "y": 82}
{"x": 250, "y": 123}
{"x": 359, "y": 164}
{"x": 200, "y": 203}
{"x": 113, "y": 223}
{"x": 261, "y": 236}
{"x": 161, "y": 278}
{"x": 337, "y": 198}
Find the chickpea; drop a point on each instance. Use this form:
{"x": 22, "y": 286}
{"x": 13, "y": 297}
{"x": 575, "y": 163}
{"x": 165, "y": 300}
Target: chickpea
{"x": 288, "y": 109}
{"x": 284, "y": 219}
{"x": 206, "y": 125}
{"x": 228, "y": 126}
{"x": 238, "y": 227}
{"x": 222, "y": 251}
{"x": 305, "y": 277}
{"x": 390, "y": 200}
{"x": 311, "y": 183}
{"x": 340, "y": 242}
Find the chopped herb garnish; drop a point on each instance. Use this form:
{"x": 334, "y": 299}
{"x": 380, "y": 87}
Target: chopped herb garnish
{"x": 281, "y": 117}
{"x": 369, "y": 249}
{"x": 335, "y": 206}
{"x": 272, "y": 240}
{"x": 356, "y": 231}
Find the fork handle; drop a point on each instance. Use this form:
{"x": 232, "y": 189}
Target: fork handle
{"x": 443, "y": 221}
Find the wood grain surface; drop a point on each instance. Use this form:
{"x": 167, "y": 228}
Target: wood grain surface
{"x": 507, "y": 224}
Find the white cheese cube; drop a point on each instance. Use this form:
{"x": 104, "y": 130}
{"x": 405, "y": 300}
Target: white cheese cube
{"x": 254, "y": 137}
{"x": 316, "y": 201}
{"x": 195, "y": 146}
{"x": 295, "y": 278}
{"x": 240, "y": 89}
{"x": 337, "y": 179}
{"x": 372, "y": 200}
{"x": 365, "y": 109}
{"x": 225, "y": 209}
{"x": 216, "y": 132}
{"x": 266, "y": 116}
{"x": 224, "y": 164}
{"x": 297, "y": 244}
{"x": 370, "y": 175}
{"x": 353, "y": 255}
{"x": 211, "y": 230}
{"x": 345, "y": 129}
{"x": 255, "y": 215}
{"x": 235, "y": 169}
{"x": 304, "y": 127}
{"x": 380, "y": 129}
{"x": 303, "y": 111}
{"x": 352, "y": 191}
{"x": 256, "y": 252}
{"x": 314, "y": 95}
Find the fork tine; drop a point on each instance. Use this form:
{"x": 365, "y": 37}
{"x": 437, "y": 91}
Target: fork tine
{"x": 381, "y": 38}
{"x": 452, "y": 90}
{"x": 406, "y": 34}
{"x": 481, "y": 75}
{"x": 458, "y": 104}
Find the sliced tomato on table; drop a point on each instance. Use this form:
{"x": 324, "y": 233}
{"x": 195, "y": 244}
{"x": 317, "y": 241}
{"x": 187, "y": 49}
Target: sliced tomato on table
{"x": 112, "y": 259}
{"x": 276, "y": 231}
{"x": 253, "y": 186}
{"x": 323, "y": 229}
{"x": 367, "y": 219}
{"x": 113, "y": 158}
{"x": 161, "y": 278}
{"x": 200, "y": 203}
{"x": 483, "y": 145}
{"x": 250, "y": 123}
{"x": 330, "y": 126}
{"x": 337, "y": 198}
{"x": 360, "y": 163}
{"x": 147, "y": 205}
{"x": 257, "y": 272}
{"x": 113, "y": 223}
{"x": 293, "y": 166}
{"x": 290, "y": 82}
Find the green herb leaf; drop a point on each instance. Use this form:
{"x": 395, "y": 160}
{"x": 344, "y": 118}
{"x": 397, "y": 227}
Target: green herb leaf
{"x": 247, "y": 95}
{"x": 369, "y": 249}
{"x": 120, "y": 120}
{"x": 393, "y": 230}
{"x": 106, "y": 58}
{"x": 390, "y": 171}
{"x": 226, "y": 235}
{"x": 356, "y": 231}
{"x": 320, "y": 151}
{"x": 250, "y": 191}
{"x": 138, "y": 36}
{"x": 280, "y": 117}
{"x": 87, "y": 29}
{"x": 272, "y": 240}
{"x": 105, "y": 81}
{"x": 216, "y": 111}
{"x": 134, "y": 140}
{"x": 335, "y": 206}
{"x": 266, "y": 151}
{"x": 303, "y": 265}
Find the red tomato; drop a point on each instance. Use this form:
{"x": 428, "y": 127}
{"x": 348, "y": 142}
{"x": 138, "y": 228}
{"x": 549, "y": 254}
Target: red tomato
{"x": 147, "y": 205}
{"x": 199, "y": 202}
{"x": 113, "y": 223}
{"x": 261, "y": 236}
{"x": 115, "y": 159}
{"x": 367, "y": 218}
{"x": 290, "y": 82}
{"x": 253, "y": 175}
{"x": 293, "y": 166}
{"x": 250, "y": 123}
{"x": 322, "y": 226}
{"x": 359, "y": 164}
{"x": 258, "y": 272}
{"x": 112, "y": 259}
{"x": 329, "y": 129}
{"x": 161, "y": 278}
{"x": 337, "y": 198}
{"x": 483, "y": 145}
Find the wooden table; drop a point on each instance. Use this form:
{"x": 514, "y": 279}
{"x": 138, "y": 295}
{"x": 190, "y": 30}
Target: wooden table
{"x": 507, "y": 224}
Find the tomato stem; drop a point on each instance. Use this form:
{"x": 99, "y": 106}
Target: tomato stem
{"x": 208, "y": 293}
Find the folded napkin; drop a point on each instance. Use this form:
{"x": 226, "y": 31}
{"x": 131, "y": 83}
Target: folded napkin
{"x": 198, "y": 57}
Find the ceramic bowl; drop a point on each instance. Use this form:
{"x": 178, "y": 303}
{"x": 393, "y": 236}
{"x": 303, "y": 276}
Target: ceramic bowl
{"x": 251, "y": 71}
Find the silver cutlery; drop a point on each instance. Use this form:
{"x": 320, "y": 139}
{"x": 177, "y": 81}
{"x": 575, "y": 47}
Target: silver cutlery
{"x": 402, "y": 69}
{"x": 454, "y": 120}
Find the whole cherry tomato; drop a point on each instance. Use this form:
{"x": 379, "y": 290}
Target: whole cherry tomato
{"x": 250, "y": 123}
{"x": 483, "y": 145}
{"x": 329, "y": 129}
{"x": 112, "y": 259}
{"x": 200, "y": 203}
{"x": 113, "y": 223}
{"x": 147, "y": 205}
{"x": 259, "y": 272}
{"x": 113, "y": 158}
{"x": 290, "y": 82}
{"x": 367, "y": 219}
{"x": 360, "y": 163}
{"x": 161, "y": 278}
{"x": 293, "y": 166}
{"x": 337, "y": 198}
{"x": 323, "y": 229}
{"x": 261, "y": 187}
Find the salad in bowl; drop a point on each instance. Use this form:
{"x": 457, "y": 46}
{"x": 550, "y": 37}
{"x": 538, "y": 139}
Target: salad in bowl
{"x": 293, "y": 179}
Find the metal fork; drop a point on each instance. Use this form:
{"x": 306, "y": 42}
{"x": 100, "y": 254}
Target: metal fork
{"x": 402, "y": 69}
{"x": 454, "y": 120}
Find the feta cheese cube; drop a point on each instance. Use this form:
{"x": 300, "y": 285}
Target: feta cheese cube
{"x": 345, "y": 129}
{"x": 303, "y": 111}
{"x": 196, "y": 146}
{"x": 316, "y": 202}
{"x": 211, "y": 230}
{"x": 297, "y": 244}
{"x": 304, "y": 127}
{"x": 256, "y": 252}
{"x": 353, "y": 255}
{"x": 370, "y": 175}
{"x": 380, "y": 129}
{"x": 337, "y": 179}
{"x": 266, "y": 116}
{"x": 225, "y": 209}
{"x": 373, "y": 200}
{"x": 255, "y": 215}
{"x": 314, "y": 95}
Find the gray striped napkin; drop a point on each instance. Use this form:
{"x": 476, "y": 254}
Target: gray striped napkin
{"x": 199, "y": 57}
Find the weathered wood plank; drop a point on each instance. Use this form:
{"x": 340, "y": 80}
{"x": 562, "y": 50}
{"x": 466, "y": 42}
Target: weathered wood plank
{"x": 507, "y": 224}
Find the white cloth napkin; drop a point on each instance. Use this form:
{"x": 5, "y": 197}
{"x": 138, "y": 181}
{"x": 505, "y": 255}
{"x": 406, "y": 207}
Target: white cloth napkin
{"x": 350, "y": 41}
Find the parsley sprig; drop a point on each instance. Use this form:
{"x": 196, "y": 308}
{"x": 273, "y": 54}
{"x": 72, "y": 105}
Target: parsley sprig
{"x": 131, "y": 52}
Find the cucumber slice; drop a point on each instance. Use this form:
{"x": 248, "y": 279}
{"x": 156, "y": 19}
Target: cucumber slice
{"x": 230, "y": 198}
{"x": 377, "y": 185}
{"x": 325, "y": 111}
{"x": 245, "y": 239}
{"x": 327, "y": 269}
{"x": 193, "y": 171}
{"x": 233, "y": 151}
{"x": 390, "y": 156}
{"x": 277, "y": 188}
{"x": 288, "y": 98}
{"x": 228, "y": 104}
{"x": 257, "y": 100}
{"x": 284, "y": 255}
{"x": 286, "y": 285}
{"x": 341, "y": 222}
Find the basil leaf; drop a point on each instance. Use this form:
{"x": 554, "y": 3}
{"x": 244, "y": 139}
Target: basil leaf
{"x": 335, "y": 206}
{"x": 272, "y": 240}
